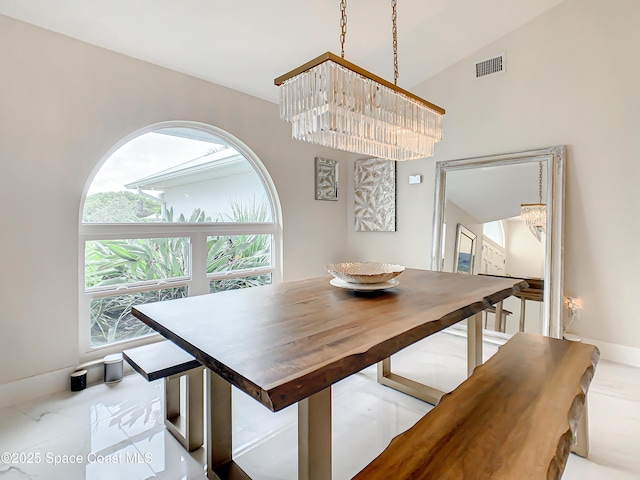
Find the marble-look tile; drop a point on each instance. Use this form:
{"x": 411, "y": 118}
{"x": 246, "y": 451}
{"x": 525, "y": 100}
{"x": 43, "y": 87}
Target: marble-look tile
{"x": 274, "y": 458}
{"x": 256, "y": 423}
{"x": 128, "y": 464}
{"x": 17, "y": 430}
{"x": 579, "y": 468}
{"x": 13, "y": 472}
{"x": 166, "y": 456}
{"x": 616, "y": 380}
{"x": 365, "y": 419}
{"x": 87, "y": 406}
{"x": 614, "y": 425}
{"x": 141, "y": 410}
{"x": 125, "y": 422}
{"x": 89, "y": 451}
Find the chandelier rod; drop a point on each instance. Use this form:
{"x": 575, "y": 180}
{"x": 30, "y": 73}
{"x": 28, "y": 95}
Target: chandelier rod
{"x": 394, "y": 33}
{"x": 343, "y": 24}
{"x": 540, "y": 183}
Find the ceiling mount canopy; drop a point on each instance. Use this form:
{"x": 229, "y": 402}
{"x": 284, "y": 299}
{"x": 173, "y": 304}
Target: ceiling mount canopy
{"x": 332, "y": 102}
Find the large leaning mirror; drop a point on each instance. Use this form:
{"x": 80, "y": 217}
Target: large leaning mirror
{"x": 482, "y": 198}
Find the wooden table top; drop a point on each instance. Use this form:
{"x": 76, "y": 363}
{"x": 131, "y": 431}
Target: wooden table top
{"x": 282, "y": 343}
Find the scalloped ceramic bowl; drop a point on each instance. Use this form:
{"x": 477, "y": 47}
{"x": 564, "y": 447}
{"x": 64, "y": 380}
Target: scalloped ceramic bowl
{"x": 365, "y": 272}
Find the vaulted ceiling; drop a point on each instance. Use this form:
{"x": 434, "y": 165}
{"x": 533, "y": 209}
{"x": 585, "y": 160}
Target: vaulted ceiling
{"x": 245, "y": 44}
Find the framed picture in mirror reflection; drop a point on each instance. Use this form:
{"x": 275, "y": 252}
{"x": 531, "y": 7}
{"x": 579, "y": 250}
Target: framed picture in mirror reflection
{"x": 465, "y": 251}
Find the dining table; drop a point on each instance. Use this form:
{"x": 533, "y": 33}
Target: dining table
{"x": 289, "y": 342}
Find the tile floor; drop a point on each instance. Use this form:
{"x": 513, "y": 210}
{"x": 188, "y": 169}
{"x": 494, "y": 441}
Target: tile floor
{"x": 116, "y": 431}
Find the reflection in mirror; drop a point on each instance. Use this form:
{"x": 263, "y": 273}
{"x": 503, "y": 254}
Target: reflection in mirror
{"x": 478, "y": 230}
{"x": 465, "y": 250}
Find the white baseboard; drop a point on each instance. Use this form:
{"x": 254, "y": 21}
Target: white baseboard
{"x": 47, "y": 384}
{"x": 29, "y": 388}
{"x": 614, "y": 352}
{"x": 611, "y": 352}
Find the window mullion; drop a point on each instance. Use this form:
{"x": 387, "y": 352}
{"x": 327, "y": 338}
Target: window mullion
{"x": 199, "y": 283}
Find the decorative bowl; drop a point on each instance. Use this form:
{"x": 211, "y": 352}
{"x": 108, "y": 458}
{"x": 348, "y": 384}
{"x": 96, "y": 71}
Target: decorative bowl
{"x": 365, "y": 272}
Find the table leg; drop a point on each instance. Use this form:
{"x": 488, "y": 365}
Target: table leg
{"x": 218, "y": 401}
{"x": 425, "y": 392}
{"x": 314, "y": 436}
{"x": 405, "y": 385}
{"x": 523, "y": 305}
{"x": 474, "y": 342}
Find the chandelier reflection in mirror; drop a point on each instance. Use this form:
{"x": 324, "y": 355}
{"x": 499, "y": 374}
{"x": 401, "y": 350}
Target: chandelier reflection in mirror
{"x": 534, "y": 215}
{"x": 332, "y": 102}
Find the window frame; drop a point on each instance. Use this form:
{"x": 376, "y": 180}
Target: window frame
{"x": 198, "y": 280}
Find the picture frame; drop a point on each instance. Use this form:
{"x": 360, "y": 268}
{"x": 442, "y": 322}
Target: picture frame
{"x": 374, "y": 195}
{"x": 465, "y": 251}
{"x": 326, "y": 179}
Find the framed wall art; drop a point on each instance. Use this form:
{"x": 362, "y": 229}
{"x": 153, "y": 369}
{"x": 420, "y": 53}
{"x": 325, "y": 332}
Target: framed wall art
{"x": 375, "y": 195}
{"x": 326, "y": 179}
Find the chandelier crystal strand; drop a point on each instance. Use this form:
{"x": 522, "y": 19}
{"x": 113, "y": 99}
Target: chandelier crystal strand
{"x": 358, "y": 115}
{"x": 534, "y": 215}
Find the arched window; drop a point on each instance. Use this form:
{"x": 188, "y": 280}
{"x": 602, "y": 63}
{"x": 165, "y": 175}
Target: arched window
{"x": 176, "y": 209}
{"x": 495, "y": 232}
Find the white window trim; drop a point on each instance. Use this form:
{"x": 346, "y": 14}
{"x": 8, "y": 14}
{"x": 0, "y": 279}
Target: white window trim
{"x": 502, "y": 234}
{"x": 198, "y": 280}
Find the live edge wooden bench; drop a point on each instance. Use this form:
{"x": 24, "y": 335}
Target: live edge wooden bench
{"x": 514, "y": 418}
{"x": 168, "y": 361}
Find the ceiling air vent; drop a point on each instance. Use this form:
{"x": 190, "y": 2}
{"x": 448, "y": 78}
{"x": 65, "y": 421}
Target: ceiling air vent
{"x": 490, "y": 66}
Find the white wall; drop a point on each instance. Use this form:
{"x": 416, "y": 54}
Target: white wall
{"x": 572, "y": 78}
{"x": 525, "y": 258}
{"x": 216, "y": 196}
{"x": 410, "y": 244}
{"x": 525, "y": 254}
{"x": 63, "y": 105}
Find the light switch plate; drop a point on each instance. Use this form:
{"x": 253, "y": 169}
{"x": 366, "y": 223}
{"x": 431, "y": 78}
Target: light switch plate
{"x": 413, "y": 179}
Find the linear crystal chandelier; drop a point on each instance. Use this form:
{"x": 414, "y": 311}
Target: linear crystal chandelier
{"x": 332, "y": 102}
{"x": 534, "y": 215}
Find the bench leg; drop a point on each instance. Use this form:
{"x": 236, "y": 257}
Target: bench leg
{"x": 581, "y": 438}
{"x": 188, "y": 426}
